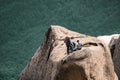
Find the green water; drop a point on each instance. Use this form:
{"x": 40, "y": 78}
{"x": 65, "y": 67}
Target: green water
{"x": 23, "y": 24}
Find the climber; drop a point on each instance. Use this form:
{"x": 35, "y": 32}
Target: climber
{"x": 79, "y": 45}
{"x": 69, "y": 44}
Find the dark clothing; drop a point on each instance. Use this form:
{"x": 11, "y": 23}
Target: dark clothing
{"x": 69, "y": 46}
{"x": 74, "y": 46}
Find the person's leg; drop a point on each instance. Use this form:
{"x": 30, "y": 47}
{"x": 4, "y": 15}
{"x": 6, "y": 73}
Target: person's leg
{"x": 71, "y": 49}
{"x": 79, "y": 48}
{"x": 67, "y": 50}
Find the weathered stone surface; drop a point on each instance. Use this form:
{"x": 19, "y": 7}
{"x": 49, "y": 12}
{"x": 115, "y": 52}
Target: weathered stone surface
{"x": 107, "y": 38}
{"x": 51, "y": 61}
{"x": 112, "y": 44}
{"x": 116, "y": 58}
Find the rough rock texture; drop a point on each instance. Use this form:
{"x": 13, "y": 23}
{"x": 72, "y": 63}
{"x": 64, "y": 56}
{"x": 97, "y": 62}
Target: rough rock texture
{"x": 107, "y": 38}
{"x": 51, "y": 61}
{"x": 116, "y": 58}
{"x": 112, "y": 44}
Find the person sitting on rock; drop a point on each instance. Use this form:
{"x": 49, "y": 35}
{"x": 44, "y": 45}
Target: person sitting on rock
{"x": 74, "y": 46}
{"x": 79, "y": 45}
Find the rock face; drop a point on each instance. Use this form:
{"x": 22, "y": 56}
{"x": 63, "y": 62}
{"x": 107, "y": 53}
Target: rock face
{"x": 116, "y": 58}
{"x": 112, "y": 44}
{"x": 107, "y": 38}
{"x": 51, "y": 61}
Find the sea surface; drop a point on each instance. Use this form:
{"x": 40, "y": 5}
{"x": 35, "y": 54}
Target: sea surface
{"x": 23, "y": 24}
